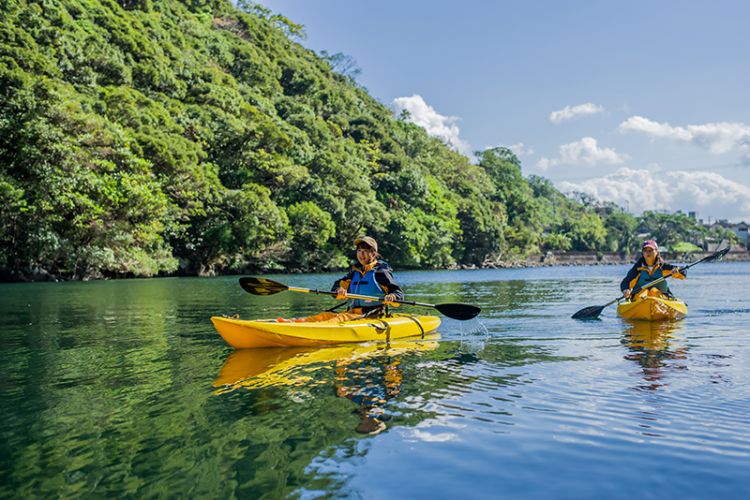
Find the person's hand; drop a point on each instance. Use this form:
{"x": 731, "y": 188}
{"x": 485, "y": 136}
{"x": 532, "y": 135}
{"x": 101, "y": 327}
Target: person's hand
{"x": 679, "y": 274}
{"x": 340, "y": 294}
{"x": 626, "y": 293}
{"x": 389, "y": 300}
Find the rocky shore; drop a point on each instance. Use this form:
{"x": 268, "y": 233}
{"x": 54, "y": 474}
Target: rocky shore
{"x": 547, "y": 260}
{"x": 601, "y": 259}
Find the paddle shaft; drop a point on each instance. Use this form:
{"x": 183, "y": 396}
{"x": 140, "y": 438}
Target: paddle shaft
{"x": 652, "y": 283}
{"x": 618, "y": 299}
{"x": 265, "y": 286}
{"x": 681, "y": 269}
{"x": 356, "y": 296}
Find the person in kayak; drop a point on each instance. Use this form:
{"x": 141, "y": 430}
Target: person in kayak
{"x": 648, "y": 268}
{"x": 369, "y": 276}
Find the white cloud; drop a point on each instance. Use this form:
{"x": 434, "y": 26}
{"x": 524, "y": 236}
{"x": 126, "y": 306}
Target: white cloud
{"x": 584, "y": 152}
{"x": 570, "y": 112}
{"x": 520, "y": 149}
{"x": 718, "y": 138}
{"x": 424, "y": 115}
{"x": 428, "y": 437}
{"x": 708, "y": 193}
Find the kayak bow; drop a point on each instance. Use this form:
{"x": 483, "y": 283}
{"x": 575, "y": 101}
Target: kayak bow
{"x": 653, "y": 309}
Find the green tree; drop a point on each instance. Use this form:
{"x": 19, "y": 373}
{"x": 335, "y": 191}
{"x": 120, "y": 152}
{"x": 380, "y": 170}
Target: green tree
{"x": 312, "y": 229}
{"x": 586, "y": 232}
{"x": 140, "y": 138}
{"x": 621, "y": 232}
{"x": 525, "y": 223}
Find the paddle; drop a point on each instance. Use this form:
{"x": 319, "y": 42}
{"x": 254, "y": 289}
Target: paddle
{"x": 265, "y": 286}
{"x": 593, "y": 312}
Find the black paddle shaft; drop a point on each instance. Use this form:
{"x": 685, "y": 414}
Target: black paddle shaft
{"x": 265, "y": 286}
{"x": 710, "y": 258}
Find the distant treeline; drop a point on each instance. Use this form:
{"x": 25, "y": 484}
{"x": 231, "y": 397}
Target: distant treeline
{"x": 143, "y": 137}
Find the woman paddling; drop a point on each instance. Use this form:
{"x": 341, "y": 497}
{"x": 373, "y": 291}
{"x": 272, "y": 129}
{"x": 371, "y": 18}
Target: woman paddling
{"x": 650, "y": 267}
{"x": 368, "y": 276}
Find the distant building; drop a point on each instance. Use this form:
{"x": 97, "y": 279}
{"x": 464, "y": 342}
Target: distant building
{"x": 740, "y": 229}
{"x": 694, "y": 215}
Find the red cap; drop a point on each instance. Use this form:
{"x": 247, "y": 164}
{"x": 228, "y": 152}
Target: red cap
{"x": 651, "y": 244}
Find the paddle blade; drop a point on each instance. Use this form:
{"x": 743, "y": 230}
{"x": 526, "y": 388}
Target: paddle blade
{"x": 718, "y": 255}
{"x": 711, "y": 258}
{"x": 261, "y": 286}
{"x": 591, "y": 312}
{"x": 461, "y": 312}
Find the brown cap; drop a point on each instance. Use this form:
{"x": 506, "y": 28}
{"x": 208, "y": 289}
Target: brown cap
{"x": 367, "y": 240}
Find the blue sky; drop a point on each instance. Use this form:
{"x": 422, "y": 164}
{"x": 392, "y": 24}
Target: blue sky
{"x": 642, "y": 103}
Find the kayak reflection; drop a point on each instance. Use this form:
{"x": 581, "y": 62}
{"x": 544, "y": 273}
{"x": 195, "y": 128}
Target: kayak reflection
{"x": 367, "y": 374}
{"x": 649, "y": 344}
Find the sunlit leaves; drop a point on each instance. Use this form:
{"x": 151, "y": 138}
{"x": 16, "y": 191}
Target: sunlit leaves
{"x": 136, "y": 135}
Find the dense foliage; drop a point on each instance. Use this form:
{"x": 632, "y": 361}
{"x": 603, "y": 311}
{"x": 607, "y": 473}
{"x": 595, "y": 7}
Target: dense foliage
{"x": 141, "y": 138}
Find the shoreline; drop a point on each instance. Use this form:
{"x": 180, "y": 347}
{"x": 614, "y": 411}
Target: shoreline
{"x": 566, "y": 259}
{"x": 550, "y": 259}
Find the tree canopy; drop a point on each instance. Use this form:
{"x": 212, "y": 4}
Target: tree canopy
{"x": 140, "y": 138}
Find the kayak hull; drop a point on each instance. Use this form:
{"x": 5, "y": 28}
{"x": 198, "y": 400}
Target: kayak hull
{"x": 245, "y": 334}
{"x": 653, "y": 309}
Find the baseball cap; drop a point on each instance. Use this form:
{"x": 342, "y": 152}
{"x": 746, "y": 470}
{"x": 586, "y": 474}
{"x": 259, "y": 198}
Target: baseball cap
{"x": 367, "y": 240}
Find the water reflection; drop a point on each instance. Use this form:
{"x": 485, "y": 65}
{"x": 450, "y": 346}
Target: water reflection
{"x": 367, "y": 374}
{"x": 106, "y": 390}
{"x": 650, "y": 346}
{"x": 370, "y": 386}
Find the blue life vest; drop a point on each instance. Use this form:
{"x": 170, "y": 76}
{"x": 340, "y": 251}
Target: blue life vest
{"x": 365, "y": 284}
{"x": 644, "y": 279}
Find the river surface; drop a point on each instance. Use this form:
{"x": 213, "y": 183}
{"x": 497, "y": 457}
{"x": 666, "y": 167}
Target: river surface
{"x": 123, "y": 388}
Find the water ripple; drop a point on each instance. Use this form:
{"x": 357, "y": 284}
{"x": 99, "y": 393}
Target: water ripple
{"x": 124, "y": 389}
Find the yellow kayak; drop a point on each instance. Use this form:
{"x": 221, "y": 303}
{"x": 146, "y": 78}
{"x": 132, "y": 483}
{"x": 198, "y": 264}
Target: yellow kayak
{"x": 290, "y": 366}
{"x": 242, "y": 334}
{"x": 653, "y": 309}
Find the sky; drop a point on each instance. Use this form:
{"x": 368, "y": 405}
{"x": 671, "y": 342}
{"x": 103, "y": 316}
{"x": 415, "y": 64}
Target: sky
{"x": 643, "y": 103}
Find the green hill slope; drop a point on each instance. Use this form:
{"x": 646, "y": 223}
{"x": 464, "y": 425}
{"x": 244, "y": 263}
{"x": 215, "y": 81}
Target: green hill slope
{"x": 142, "y": 137}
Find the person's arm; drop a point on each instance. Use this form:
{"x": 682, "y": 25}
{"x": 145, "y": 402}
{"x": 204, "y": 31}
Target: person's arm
{"x": 625, "y": 283}
{"x": 387, "y": 282}
{"x": 342, "y": 284}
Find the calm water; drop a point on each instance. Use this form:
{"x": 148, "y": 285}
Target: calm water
{"x": 123, "y": 388}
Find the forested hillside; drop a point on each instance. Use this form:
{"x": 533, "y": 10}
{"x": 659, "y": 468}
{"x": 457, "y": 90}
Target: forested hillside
{"x": 143, "y": 137}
